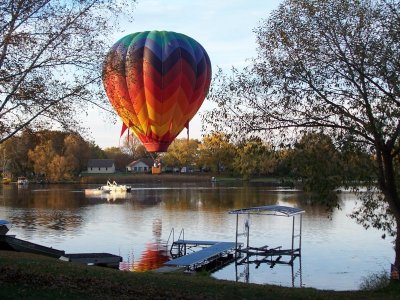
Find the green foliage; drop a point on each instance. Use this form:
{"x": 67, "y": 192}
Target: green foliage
{"x": 316, "y": 161}
{"x": 254, "y": 158}
{"x": 181, "y": 152}
{"x": 375, "y": 281}
{"x": 329, "y": 66}
{"x": 216, "y": 152}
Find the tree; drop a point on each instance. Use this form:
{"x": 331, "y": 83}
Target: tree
{"x": 316, "y": 161}
{"x": 15, "y": 150}
{"x": 330, "y": 64}
{"x": 120, "y": 158}
{"x": 181, "y": 152}
{"x": 51, "y": 53}
{"x": 132, "y": 146}
{"x": 216, "y": 152}
{"x": 54, "y": 155}
{"x": 42, "y": 156}
{"x": 76, "y": 153}
{"x": 254, "y": 158}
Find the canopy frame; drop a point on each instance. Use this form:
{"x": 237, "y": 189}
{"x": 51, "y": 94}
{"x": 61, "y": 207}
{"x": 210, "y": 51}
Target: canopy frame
{"x": 269, "y": 210}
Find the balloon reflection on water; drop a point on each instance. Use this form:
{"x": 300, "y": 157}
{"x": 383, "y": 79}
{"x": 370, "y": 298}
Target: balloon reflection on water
{"x": 154, "y": 255}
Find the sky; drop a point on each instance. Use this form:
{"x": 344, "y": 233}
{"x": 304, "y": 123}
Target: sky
{"x": 223, "y": 27}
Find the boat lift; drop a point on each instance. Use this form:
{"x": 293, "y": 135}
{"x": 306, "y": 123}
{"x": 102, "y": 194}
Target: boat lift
{"x": 266, "y": 251}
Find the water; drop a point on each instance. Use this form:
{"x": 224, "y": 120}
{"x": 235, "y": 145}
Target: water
{"x": 336, "y": 252}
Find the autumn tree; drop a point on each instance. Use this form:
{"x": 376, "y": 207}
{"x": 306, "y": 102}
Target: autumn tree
{"x": 55, "y": 155}
{"x": 254, "y": 157}
{"x": 216, "y": 152}
{"x": 182, "y": 152}
{"x": 15, "y": 151}
{"x": 51, "y": 53}
{"x": 330, "y": 64}
{"x": 76, "y": 152}
{"x": 42, "y": 156}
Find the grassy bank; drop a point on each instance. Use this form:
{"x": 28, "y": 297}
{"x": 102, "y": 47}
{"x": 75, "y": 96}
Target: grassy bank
{"x": 27, "y": 276}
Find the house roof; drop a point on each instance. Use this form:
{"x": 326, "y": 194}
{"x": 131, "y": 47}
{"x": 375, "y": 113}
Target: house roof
{"x": 278, "y": 210}
{"x": 147, "y": 161}
{"x": 100, "y": 163}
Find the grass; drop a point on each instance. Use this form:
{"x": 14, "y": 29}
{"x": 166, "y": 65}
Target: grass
{"x": 28, "y": 276}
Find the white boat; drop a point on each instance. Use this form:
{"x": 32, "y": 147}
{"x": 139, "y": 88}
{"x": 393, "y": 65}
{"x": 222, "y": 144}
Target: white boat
{"x": 4, "y": 227}
{"x": 22, "y": 180}
{"x": 114, "y": 187}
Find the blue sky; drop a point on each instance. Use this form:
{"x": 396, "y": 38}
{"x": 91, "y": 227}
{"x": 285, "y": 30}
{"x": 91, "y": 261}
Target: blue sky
{"x": 223, "y": 27}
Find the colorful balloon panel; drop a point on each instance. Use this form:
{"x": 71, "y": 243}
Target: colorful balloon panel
{"x": 156, "y": 81}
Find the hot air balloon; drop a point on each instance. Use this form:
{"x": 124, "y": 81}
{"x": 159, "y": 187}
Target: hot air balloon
{"x": 156, "y": 81}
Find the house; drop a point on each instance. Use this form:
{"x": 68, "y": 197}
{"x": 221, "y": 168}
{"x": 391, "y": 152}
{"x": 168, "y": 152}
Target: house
{"x": 101, "y": 166}
{"x": 140, "y": 166}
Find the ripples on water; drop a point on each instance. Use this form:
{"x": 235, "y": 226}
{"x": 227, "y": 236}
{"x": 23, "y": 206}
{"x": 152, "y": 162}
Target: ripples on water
{"x": 336, "y": 252}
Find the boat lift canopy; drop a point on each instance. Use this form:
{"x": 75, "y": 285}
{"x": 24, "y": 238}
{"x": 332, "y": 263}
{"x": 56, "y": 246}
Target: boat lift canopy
{"x": 276, "y": 210}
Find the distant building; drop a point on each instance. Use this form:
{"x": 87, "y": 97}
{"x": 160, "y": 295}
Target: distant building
{"x": 101, "y": 166}
{"x": 140, "y": 166}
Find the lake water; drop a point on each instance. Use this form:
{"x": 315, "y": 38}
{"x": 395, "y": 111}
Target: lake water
{"x": 336, "y": 252}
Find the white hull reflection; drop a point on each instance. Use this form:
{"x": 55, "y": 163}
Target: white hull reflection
{"x": 109, "y": 195}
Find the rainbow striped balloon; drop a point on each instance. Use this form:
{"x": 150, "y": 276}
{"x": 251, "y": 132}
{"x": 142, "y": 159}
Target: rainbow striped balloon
{"x": 156, "y": 81}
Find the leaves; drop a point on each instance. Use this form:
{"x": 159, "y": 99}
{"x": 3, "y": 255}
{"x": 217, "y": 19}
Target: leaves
{"x": 51, "y": 53}
{"x": 329, "y": 66}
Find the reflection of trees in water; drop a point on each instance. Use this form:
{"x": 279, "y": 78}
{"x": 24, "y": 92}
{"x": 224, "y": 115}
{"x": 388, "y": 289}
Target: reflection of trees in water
{"x": 50, "y": 207}
{"x": 49, "y": 197}
{"x": 317, "y": 207}
{"x": 217, "y": 199}
{"x": 59, "y": 220}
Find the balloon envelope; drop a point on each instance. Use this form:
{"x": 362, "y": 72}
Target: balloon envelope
{"x": 156, "y": 81}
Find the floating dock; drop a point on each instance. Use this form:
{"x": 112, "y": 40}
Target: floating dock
{"x": 11, "y": 243}
{"x": 94, "y": 259}
{"x": 212, "y": 252}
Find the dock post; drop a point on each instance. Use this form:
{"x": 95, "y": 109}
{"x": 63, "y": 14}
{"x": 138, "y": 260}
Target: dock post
{"x": 248, "y": 230}
{"x": 236, "y": 239}
{"x": 301, "y": 225}
{"x": 292, "y": 238}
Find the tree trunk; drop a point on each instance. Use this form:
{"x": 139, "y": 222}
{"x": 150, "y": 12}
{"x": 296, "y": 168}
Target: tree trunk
{"x": 394, "y": 274}
{"x": 388, "y": 186}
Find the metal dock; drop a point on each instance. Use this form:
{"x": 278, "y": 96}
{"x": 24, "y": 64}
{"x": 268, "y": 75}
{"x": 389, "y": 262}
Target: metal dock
{"x": 196, "y": 259}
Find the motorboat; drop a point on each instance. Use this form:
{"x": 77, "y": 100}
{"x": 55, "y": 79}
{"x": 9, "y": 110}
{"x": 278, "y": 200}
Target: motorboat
{"x": 4, "y": 227}
{"x": 6, "y": 180}
{"x": 114, "y": 187}
{"x": 22, "y": 180}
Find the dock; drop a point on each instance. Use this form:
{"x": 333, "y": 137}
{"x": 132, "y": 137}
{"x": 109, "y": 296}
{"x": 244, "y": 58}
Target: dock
{"x": 211, "y": 252}
{"x": 11, "y": 243}
{"x": 94, "y": 259}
